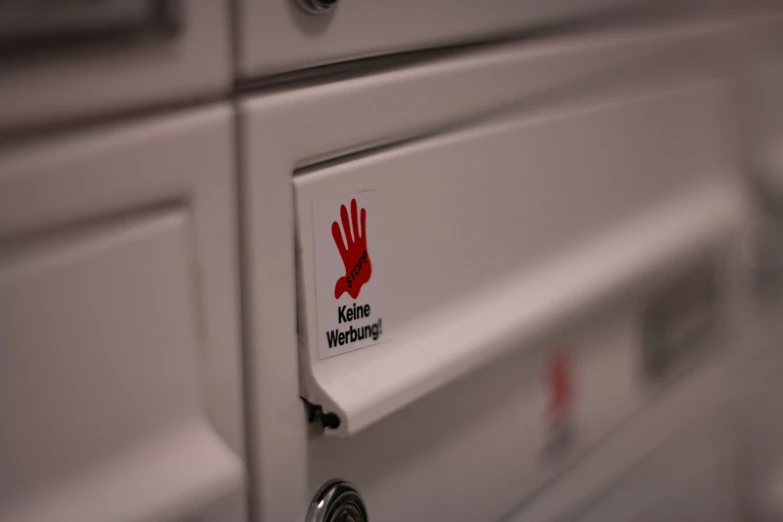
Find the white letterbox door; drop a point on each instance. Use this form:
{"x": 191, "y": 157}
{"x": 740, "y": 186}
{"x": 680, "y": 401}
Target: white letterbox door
{"x": 120, "y": 387}
{"x": 486, "y": 248}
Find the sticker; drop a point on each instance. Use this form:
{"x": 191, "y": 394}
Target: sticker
{"x": 350, "y": 272}
{"x": 559, "y": 391}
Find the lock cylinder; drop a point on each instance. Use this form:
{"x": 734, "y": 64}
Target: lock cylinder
{"x": 337, "y": 501}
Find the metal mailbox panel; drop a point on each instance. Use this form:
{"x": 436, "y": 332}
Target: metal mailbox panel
{"x": 494, "y": 235}
{"x": 100, "y": 355}
{"x": 498, "y": 239}
{"x": 120, "y": 362}
{"x": 280, "y": 36}
{"x": 645, "y": 116}
{"x": 136, "y": 56}
{"x": 479, "y": 447}
{"x": 708, "y": 448}
{"x": 693, "y": 476}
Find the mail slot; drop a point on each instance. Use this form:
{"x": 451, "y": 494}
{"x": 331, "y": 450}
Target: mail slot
{"x": 465, "y": 256}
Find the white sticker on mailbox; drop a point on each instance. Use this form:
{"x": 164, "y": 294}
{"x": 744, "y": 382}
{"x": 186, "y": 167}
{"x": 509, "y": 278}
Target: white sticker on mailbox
{"x": 350, "y": 272}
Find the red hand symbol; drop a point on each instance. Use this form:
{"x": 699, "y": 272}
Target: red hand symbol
{"x": 560, "y": 388}
{"x": 355, "y": 257}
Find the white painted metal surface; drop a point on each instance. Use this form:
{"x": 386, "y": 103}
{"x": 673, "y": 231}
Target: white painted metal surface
{"x": 279, "y": 36}
{"x": 537, "y": 196}
{"x": 410, "y": 437}
{"x": 723, "y": 424}
{"x": 699, "y": 447}
{"x": 61, "y": 82}
{"x": 120, "y": 388}
{"x": 691, "y": 477}
{"x": 569, "y": 210}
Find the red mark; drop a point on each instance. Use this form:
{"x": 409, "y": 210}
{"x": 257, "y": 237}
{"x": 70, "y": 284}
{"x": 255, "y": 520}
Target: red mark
{"x": 560, "y": 388}
{"x": 356, "y": 260}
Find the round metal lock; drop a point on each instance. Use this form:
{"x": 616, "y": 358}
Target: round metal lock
{"x": 316, "y": 7}
{"x": 337, "y": 501}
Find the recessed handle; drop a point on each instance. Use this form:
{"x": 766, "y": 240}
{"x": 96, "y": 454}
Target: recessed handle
{"x": 43, "y": 23}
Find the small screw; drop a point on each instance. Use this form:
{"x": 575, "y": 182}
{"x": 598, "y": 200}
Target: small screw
{"x": 316, "y": 413}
